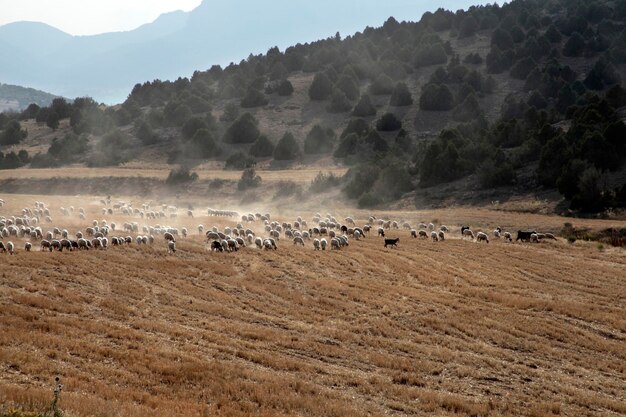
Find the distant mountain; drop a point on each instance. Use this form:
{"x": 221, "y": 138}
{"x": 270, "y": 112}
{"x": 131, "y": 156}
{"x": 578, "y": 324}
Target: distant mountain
{"x": 16, "y": 98}
{"x": 107, "y": 66}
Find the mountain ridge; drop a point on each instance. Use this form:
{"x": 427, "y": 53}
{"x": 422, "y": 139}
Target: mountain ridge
{"x": 213, "y": 33}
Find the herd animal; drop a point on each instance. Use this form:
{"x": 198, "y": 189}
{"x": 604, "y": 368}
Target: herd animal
{"x": 262, "y": 230}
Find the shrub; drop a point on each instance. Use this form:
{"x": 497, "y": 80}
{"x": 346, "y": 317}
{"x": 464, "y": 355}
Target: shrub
{"x": 192, "y": 125}
{"x": 70, "y": 148}
{"x": 144, "y": 133}
{"x": 437, "y": 97}
{"x": 202, "y": 145}
{"x": 321, "y": 87}
{"x": 287, "y": 148}
{"x": 492, "y": 174}
{"x": 13, "y": 133}
{"x": 180, "y": 176}
{"x": 347, "y": 146}
{"x": 369, "y": 200}
{"x": 230, "y": 114}
{"x": 319, "y": 140}
{"x": 364, "y": 107}
{"x": 253, "y": 98}
{"x": 381, "y": 85}
{"x": 432, "y": 54}
{"x": 243, "y": 130}
{"x": 522, "y": 68}
{"x": 249, "y": 179}
{"x": 322, "y": 182}
{"x": 360, "y": 180}
{"x": 339, "y": 103}
{"x": 388, "y": 123}
{"x": 348, "y": 86}
{"x": 262, "y": 147}
{"x": 113, "y": 149}
{"x": 473, "y": 58}
{"x": 400, "y": 96}
{"x": 575, "y": 45}
{"x": 285, "y": 88}
{"x": 239, "y": 160}
{"x": 286, "y": 189}
{"x": 52, "y": 121}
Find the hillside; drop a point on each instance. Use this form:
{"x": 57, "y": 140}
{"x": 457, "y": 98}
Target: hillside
{"x": 519, "y": 99}
{"x": 14, "y": 98}
{"x": 106, "y": 66}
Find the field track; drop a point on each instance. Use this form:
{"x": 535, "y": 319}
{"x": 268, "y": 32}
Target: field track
{"x": 436, "y": 328}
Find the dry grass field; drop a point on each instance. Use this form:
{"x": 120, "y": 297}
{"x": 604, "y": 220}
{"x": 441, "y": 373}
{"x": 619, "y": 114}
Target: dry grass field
{"x": 428, "y": 328}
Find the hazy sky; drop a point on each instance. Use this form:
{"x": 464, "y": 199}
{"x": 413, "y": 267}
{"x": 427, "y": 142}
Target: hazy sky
{"x": 88, "y": 17}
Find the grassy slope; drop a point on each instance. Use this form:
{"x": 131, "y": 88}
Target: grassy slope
{"x": 442, "y": 328}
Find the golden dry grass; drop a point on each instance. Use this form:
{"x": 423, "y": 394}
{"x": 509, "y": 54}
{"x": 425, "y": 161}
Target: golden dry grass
{"x": 447, "y": 328}
{"x": 304, "y": 175}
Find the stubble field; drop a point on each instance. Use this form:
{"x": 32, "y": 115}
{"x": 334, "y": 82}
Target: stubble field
{"x": 428, "y": 328}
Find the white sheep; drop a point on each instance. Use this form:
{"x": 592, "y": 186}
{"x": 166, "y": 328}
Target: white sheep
{"x": 414, "y": 233}
{"x": 444, "y": 228}
{"x": 357, "y": 235}
{"x": 434, "y": 236}
{"x": 316, "y": 244}
{"x": 323, "y": 244}
{"x": 442, "y": 235}
{"x": 481, "y": 236}
{"x": 468, "y": 233}
{"x": 508, "y": 237}
{"x": 334, "y": 244}
{"x": 298, "y": 241}
{"x": 534, "y": 238}
{"x": 28, "y": 246}
{"x": 422, "y": 234}
{"x": 10, "y": 247}
{"x": 171, "y": 246}
{"x": 258, "y": 242}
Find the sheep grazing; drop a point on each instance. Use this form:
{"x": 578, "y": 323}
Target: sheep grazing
{"x": 169, "y": 237}
{"x": 357, "y": 235}
{"x": 422, "y": 234}
{"x": 381, "y": 232}
{"x": 216, "y": 246}
{"x": 3, "y": 248}
{"x": 298, "y": 241}
{"x": 392, "y": 242}
{"x": 269, "y": 244}
{"x": 171, "y": 246}
{"x": 508, "y": 237}
{"x": 431, "y": 226}
{"x": 468, "y": 233}
{"x": 534, "y": 238}
{"x": 10, "y": 248}
{"x": 496, "y": 233}
{"x": 258, "y": 242}
{"x": 434, "y": 236}
{"x": 232, "y": 245}
{"x": 550, "y": 236}
{"x": 28, "y": 246}
{"x": 334, "y": 244}
{"x": 45, "y": 244}
{"x": 481, "y": 236}
{"x": 441, "y": 235}
{"x": 323, "y": 244}
{"x": 414, "y": 233}
{"x": 316, "y": 244}
{"x": 444, "y": 228}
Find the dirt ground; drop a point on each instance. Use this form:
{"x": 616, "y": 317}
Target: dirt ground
{"x": 443, "y": 328}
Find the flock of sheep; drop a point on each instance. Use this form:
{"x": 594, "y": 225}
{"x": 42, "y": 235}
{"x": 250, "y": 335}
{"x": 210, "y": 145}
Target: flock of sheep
{"x": 323, "y": 232}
